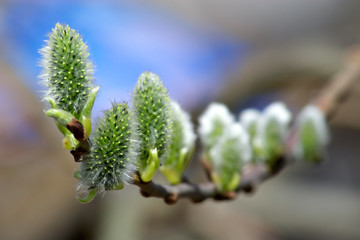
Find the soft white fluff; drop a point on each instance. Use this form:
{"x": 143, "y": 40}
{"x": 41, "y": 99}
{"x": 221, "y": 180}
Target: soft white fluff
{"x": 188, "y": 128}
{"x": 234, "y": 132}
{"x": 248, "y": 117}
{"x": 215, "y": 112}
{"x": 313, "y": 114}
{"x": 277, "y": 112}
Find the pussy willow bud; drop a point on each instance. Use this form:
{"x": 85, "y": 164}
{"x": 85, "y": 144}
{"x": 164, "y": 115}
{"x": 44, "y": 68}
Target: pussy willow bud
{"x": 111, "y": 161}
{"x": 271, "y": 132}
{"x": 249, "y": 118}
{"x": 312, "y": 134}
{"x": 181, "y": 146}
{"x": 228, "y": 157}
{"x": 153, "y": 115}
{"x": 212, "y": 124}
{"x": 67, "y": 70}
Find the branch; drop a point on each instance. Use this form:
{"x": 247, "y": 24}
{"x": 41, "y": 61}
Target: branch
{"x": 328, "y": 101}
{"x": 338, "y": 89}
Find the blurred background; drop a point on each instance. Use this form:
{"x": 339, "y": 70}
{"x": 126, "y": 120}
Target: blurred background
{"x": 243, "y": 53}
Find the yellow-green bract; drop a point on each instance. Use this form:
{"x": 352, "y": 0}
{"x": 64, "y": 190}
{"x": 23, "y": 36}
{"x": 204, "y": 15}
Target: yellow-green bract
{"x": 112, "y": 157}
{"x": 67, "y": 70}
{"x": 153, "y": 114}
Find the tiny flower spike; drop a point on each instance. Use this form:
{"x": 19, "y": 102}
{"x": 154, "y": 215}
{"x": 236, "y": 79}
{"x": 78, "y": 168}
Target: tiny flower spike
{"x": 67, "y": 74}
{"x": 67, "y": 71}
{"x": 271, "y": 132}
{"x": 111, "y": 161}
{"x": 228, "y": 157}
{"x": 153, "y": 118}
{"x": 312, "y": 135}
{"x": 181, "y": 146}
{"x": 213, "y": 123}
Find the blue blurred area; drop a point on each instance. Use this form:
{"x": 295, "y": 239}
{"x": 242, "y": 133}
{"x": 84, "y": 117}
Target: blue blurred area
{"x": 126, "y": 39}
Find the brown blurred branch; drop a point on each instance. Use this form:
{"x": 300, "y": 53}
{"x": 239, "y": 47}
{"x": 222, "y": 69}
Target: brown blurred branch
{"x": 340, "y": 85}
{"x": 328, "y": 100}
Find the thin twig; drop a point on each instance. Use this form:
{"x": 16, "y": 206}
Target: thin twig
{"x": 329, "y": 99}
{"x": 340, "y": 85}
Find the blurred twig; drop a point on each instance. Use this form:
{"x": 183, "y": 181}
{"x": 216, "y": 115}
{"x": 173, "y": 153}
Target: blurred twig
{"x": 340, "y": 85}
{"x": 328, "y": 100}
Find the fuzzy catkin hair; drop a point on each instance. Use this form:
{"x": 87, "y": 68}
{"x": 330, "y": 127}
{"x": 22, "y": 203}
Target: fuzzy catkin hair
{"x": 213, "y": 123}
{"x": 182, "y": 137}
{"x": 112, "y": 156}
{"x": 153, "y": 114}
{"x": 67, "y": 70}
{"x": 230, "y": 154}
{"x": 313, "y": 134}
{"x": 271, "y": 131}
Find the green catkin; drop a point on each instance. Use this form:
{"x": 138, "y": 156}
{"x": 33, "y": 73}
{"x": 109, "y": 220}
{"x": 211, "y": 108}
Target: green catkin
{"x": 271, "y": 131}
{"x": 309, "y": 139}
{"x": 67, "y": 70}
{"x": 153, "y": 114}
{"x": 181, "y": 146}
{"x": 213, "y": 123}
{"x": 312, "y": 135}
{"x": 228, "y": 156}
{"x": 176, "y": 143}
{"x": 112, "y": 156}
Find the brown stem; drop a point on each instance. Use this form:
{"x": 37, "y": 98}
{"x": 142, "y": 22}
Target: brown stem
{"x": 328, "y": 101}
{"x": 340, "y": 85}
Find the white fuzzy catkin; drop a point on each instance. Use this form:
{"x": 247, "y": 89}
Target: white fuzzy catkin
{"x": 274, "y": 112}
{"x": 188, "y": 128}
{"x": 216, "y": 115}
{"x": 249, "y": 117}
{"x": 271, "y": 131}
{"x": 278, "y": 111}
{"x": 312, "y": 114}
{"x": 235, "y": 132}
